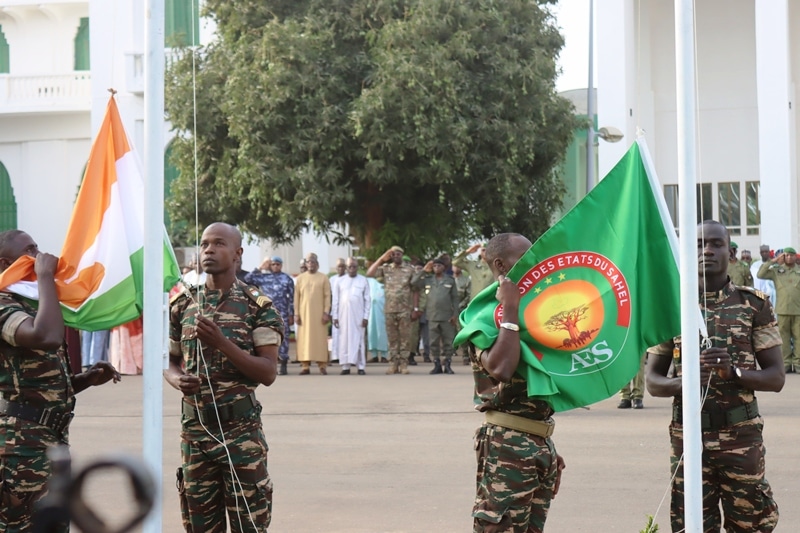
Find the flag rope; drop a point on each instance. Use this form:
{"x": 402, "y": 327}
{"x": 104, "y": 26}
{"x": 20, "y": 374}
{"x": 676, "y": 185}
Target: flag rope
{"x": 201, "y": 361}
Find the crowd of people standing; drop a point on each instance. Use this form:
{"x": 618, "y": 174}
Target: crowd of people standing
{"x": 401, "y": 307}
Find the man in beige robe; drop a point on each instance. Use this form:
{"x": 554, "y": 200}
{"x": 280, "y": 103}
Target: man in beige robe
{"x": 312, "y": 307}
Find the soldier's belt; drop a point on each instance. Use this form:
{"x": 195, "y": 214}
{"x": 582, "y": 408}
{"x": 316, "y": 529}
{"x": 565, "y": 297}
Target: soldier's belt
{"x": 519, "y": 423}
{"x": 228, "y": 411}
{"x": 55, "y": 419}
{"x": 720, "y": 418}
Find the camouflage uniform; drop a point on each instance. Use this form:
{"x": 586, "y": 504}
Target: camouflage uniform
{"x": 397, "y": 310}
{"x": 740, "y": 320}
{"x": 280, "y": 289}
{"x": 441, "y": 304}
{"x": 740, "y": 274}
{"x": 41, "y": 380}
{"x": 249, "y": 320}
{"x": 787, "y": 291}
{"x": 517, "y": 471}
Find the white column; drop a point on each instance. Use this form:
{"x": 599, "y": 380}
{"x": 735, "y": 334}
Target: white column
{"x": 616, "y": 76}
{"x": 778, "y": 186}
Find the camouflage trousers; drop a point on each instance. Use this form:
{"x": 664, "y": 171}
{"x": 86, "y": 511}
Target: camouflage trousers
{"x": 283, "y": 349}
{"x": 442, "y": 333}
{"x": 207, "y": 489}
{"x": 733, "y": 479}
{"x": 398, "y": 334}
{"x": 23, "y": 481}
{"x": 517, "y": 475}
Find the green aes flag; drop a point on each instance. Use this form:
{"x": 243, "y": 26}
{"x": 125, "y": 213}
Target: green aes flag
{"x": 597, "y": 289}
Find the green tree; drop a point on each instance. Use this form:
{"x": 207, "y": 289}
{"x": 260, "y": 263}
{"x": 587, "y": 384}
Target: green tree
{"x": 423, "y": 122}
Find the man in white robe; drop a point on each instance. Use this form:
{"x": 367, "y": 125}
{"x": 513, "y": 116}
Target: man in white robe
{"x": 341, "y": 264}
{"x": 350, "y": 313}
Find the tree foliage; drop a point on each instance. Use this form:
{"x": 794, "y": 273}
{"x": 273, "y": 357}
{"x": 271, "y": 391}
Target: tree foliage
{"x": 418, "y": 122}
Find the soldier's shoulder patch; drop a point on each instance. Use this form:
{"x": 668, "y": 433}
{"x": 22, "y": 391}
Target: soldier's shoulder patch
{"x": 751, "y": 290}
{"x": 183, "y": 293}
{"x": 254, "y": 294}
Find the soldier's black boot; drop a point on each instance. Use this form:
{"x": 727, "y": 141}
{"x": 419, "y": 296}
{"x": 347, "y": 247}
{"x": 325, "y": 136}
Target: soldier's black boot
{"x": 437, "y": 367}
{"x": 411, "y": 361}
{"x": 426, "y": 358}
{"x": 447, "y": 369}
{"x": 283, "y": 371}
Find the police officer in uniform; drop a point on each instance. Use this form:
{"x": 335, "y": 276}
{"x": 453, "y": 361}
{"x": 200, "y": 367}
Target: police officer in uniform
{"x": 224, "y": 339}
{"x": 744, "y": 357}
{"x": 785, "y": 273}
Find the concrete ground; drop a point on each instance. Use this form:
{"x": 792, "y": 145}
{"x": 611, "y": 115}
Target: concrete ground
{"x": 380, "y": 454}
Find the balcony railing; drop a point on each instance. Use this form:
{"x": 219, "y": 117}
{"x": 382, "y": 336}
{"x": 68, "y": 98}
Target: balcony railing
{"x": 54, "y": 92}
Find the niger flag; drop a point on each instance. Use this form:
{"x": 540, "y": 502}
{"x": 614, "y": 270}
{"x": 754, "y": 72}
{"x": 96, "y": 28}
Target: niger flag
{"x": 100, "y": 271}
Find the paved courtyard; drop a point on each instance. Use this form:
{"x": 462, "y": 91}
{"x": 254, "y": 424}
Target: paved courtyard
{"x": 380, "y": 454}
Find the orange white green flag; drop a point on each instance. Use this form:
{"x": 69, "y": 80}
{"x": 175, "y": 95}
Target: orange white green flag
{"x": 597, "y": 289}
{"x": 100, "y": 271}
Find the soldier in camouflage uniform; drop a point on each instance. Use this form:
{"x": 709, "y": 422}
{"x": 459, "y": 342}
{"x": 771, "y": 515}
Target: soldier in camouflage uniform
{"x": 37, "y": 386}
{"x": 744, "y": 357}
{"x": 224, "y": 339}
{"x": 784, "y": 272}
{"x": 739, "y": 271}
{"x": 519, "y": 471}
{"x": 441, "y": 308}
{"x": 396, "y": 275}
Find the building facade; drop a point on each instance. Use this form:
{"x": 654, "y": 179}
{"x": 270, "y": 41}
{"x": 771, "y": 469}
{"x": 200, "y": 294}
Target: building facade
{"x": 58, "y": 58}
{"x": 748, "y": 59}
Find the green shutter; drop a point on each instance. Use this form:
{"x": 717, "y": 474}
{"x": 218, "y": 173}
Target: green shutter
{"x": 8, "y": 204}
{"x": 182, "y": 23}
{"x": 82, "y": 45}
{"x": 4, "y": 62}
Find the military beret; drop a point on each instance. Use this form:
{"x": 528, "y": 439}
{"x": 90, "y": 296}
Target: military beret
{"x": 734, "y": 245}
{"x": 789, "y": 250}
{"x": 439, "y": 260}
{"x": 396, "y": 248}
{"x": 276, "y": 259}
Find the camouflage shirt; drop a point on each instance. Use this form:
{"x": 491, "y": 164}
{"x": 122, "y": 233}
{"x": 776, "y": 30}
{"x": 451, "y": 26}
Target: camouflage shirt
{"x": 32, "y": 377}
{"x": 740, "y": 320}
{"x": 244, "y": 315}
{"x": 396, "y": 286}
{"x": 511, "y": 398}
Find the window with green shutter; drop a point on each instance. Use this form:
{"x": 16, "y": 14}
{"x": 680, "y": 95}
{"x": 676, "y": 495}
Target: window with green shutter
{"x": 182, "y": 23}
{"x": 8, "y": 204}
{"x": 82, "y": 45}
{"x": 4, "y": 62}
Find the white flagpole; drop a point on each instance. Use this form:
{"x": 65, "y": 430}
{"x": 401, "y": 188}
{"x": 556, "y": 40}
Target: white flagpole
{"x": 154, "y": 297}
{"x": 590, "y": 134}
{"x": 687, "y": 179}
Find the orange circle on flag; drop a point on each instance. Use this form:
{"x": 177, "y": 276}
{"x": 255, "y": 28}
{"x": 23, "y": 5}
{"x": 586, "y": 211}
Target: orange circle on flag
{"x": 566, "y": 316}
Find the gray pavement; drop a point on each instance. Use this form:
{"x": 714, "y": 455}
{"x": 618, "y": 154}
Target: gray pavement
{"x": 380, "y": 454}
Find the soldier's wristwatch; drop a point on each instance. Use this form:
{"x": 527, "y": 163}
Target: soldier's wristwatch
{"x": 737, "y": 372}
